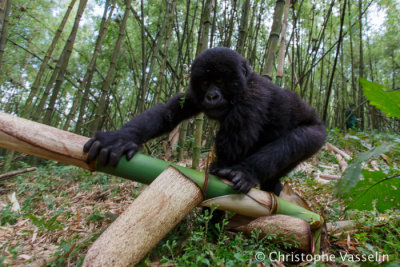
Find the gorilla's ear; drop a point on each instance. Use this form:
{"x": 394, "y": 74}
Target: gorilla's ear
{"x": 246, "y": 69}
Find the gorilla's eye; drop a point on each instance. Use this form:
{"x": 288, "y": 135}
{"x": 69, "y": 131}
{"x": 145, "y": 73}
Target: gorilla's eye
{"x": 219, "y": 82}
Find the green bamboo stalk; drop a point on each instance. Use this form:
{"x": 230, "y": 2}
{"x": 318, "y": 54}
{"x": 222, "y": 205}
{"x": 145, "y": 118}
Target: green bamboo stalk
{"x": 145, "y": 169}
{"x": 47, "y": 142}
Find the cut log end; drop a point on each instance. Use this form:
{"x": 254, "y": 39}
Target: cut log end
{"x": 290, "y": 228}
{"x": 146, "y": 221}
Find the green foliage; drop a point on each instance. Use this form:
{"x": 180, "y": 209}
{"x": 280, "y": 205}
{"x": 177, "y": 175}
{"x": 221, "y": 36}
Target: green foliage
{"x": 353, "y": 172}
{"x": 367, "y": 190}
{"x": 8, "y": 216}
{"x": 379, "y": 96}
{"x": 376, "y": 190}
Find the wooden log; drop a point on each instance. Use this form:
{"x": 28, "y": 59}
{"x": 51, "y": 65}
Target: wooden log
{"x": 41, "y": 140}
{"x": 146, "y": 221}
{"x": 289, "y": 227}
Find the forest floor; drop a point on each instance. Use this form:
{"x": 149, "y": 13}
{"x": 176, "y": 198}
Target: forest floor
{"x": 52, "y": 216}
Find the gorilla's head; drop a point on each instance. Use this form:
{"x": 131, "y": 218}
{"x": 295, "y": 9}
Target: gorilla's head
{"x": 218, "y": 80}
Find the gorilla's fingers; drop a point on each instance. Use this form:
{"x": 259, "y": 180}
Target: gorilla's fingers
{"x": 225, "y": 173}
{"x": 131, "y": 150}
{"x": 104, "y": 155}
{"x": 115, "y": 155}
{"x": 88, "y": 144}
{"x": 236, "y": 179}
{"x": 94, "y": 150}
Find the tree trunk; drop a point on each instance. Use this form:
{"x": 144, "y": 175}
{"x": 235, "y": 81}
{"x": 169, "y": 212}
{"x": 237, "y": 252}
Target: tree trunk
{"x": 325, "y": 113}
{"x": 4, "y": 28}
{"x": 229, "y": 32}
{"x": 282, "y": 47}
{"x": 110, "y": 74}
{"x": 360, "y": 93}
{"x": 243, "y": 27}
{"x": 65, "y": 56}
{"x": 34, "y": 89}
{"x": 141, "y": 94}
{"x": 170, "y": 11}
{"x": 352, "y": 67}
{"x": 273, "y": 40}
{"x": 87, "y": 80}
{"x": 203, "y": 45}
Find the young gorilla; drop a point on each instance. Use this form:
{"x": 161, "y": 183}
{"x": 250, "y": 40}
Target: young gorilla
{"x": 265, "y": 131}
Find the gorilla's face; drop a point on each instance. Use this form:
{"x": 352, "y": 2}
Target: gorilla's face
{"x": 218, "y": 80}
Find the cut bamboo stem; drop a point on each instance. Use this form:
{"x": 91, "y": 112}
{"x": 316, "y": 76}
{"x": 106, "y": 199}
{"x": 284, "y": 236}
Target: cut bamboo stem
{"x": 146, "y": 221}
{"x": 54, "y": 144}
{"x": 47, "y": 142}
{"x": 291, "y": 229}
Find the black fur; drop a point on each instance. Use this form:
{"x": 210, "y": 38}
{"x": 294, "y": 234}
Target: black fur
{"x": 265, "y": 131}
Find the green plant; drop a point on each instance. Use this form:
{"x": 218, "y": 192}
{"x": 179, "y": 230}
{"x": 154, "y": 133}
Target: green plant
{"x": 8, "y": 216}
{"x": 376, "y": 189}
{"x": 45, "y": 225}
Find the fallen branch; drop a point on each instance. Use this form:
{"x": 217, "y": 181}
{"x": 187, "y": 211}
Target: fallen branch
{"x": 342, "y": 163}
{"x": 5, "y": 176}
{"x": 333, "y": 148}
{"x": 329, "y": 176}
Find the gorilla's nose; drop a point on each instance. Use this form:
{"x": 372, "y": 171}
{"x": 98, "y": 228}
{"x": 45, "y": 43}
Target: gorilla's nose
{"x": 213, "y": 95}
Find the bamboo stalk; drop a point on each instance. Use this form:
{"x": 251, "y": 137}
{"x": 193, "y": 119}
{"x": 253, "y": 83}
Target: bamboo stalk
{"x": 290, "y": 228}
{"x": 54, "y": 144}
{"x": 146, "y": 221}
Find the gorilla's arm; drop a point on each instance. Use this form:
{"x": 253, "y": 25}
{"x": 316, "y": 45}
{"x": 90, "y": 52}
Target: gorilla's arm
{"x": 162, "y": 118}
{"x": 276, "y": 158}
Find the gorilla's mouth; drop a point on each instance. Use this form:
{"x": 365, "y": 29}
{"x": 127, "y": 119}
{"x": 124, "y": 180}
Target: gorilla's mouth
{"x": 216, "y": 112}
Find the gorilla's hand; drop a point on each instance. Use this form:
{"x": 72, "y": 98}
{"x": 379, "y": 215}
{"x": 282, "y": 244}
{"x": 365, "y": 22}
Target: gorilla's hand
{"x": 110, "y": 146}
{"x": 242, "y": 180}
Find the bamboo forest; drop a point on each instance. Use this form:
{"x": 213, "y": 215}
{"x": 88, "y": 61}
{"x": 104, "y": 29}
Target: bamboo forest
{"x": 120, "y": 146}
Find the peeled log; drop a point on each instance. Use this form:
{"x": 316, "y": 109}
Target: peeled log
{"x": 289, "y": 227}
{"x": 146, "y": 221}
